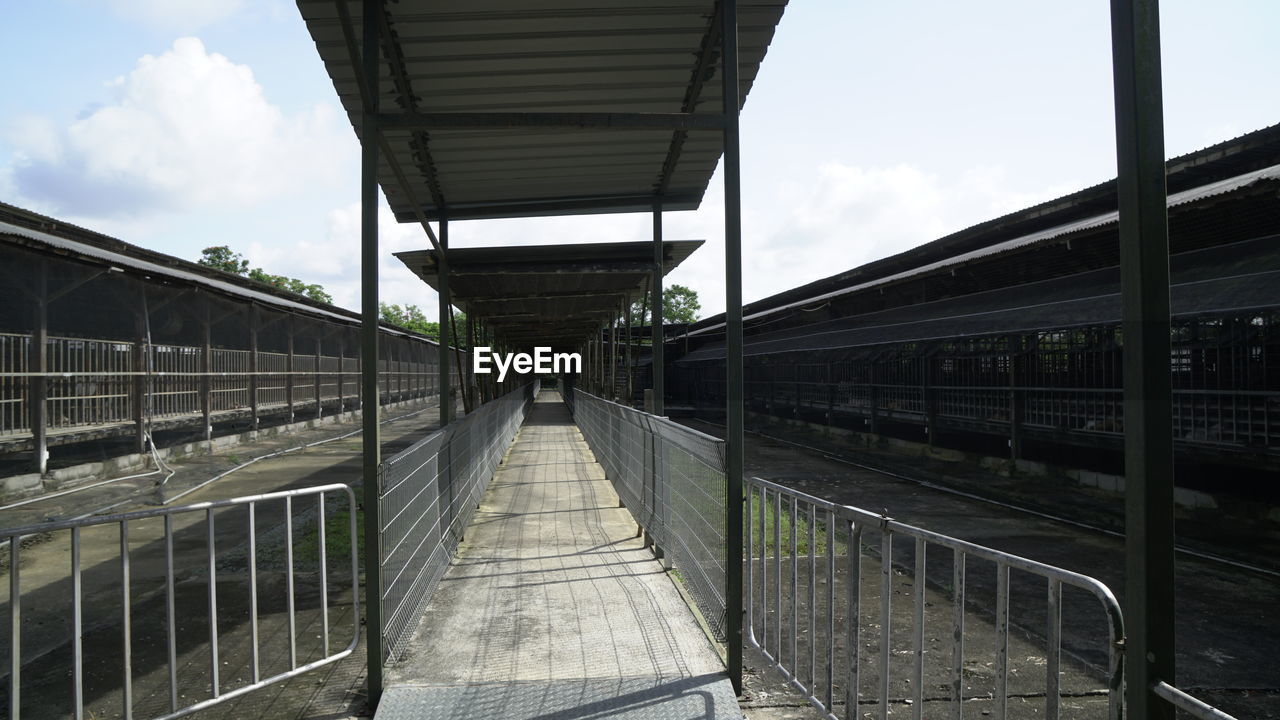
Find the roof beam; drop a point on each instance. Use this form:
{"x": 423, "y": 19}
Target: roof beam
{"x": 547, "y": 269}
{"x": 539, "y": 207}
{"x": 366, "y": 101}
{"x": 683, "y": 121}
{"x": 420, "y": 142}
{"x": 708, "y": 56}
{"x": 548, "y": 296}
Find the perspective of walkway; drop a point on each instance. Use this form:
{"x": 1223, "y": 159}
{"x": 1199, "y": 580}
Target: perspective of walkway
{"x": 553, "y": 607}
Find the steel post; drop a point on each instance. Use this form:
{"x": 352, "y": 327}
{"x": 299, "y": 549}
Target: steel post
{"x": 733, "y": 345}
{"x": 289, "y": 368}
{"x": 658, "y": 320}
{"x": 630, "y": 390}
{"x": 253, "y": 366}
{"x": 468, "y": 371}
{"x": 371, "y": 444}
{"x": 38, "y": 361}
{"x": 613, "y": 358}
{"x": 142, "y": 381}
{"x": 1148, "y": 421}
{"x": 442, "y": 270}
{"x": 318, "y": 380}
{"x": 206, "y": 368}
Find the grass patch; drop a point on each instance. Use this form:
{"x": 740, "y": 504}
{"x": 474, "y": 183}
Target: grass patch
{"x": 337, "y": 527}
{"x": 783, "y": 526}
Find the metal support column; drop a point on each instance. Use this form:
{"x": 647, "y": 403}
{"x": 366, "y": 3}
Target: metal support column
{"x": 1017, "y": 396}
{"x": 289, "y": 368}
{"x": 656, "y": 323}
{"x": 733, "y": 345}
{"x": 319, "y": 382}
{"x": 142, "y": 384}
{"x": 613, "y": 358}
{"x": 1148, "y": 417}
{"x": 442, "y": 270}
{"x": 342, "y": 370}
{"x": 38, "y": 362}
{"x": 468, "y": 371}
{"x": 253, "y": 366}
{"x": 206, "y": 368}
{"x": 371, "y": 446}
{"x": 630, "y": 388}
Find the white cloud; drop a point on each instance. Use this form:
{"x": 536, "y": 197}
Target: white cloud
{"x": 842, "y": 216}
{"x": 181, "y": 16}
{"x": 839, "y": 217}
{"x": 334, "y": 259}
{"x": 187, "y": 129}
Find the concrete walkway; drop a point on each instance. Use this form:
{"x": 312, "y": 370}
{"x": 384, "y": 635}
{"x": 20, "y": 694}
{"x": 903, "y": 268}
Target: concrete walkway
{"x": 553, "y": 608}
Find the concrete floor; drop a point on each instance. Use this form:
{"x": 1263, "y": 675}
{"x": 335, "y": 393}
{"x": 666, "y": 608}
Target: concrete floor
{"x": 553, "y": 593}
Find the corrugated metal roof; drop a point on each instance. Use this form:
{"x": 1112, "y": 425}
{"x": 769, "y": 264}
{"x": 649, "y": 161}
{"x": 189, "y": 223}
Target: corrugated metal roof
{"x": 553, "y": 295}
{"x": 1241, "y": 277}
{"x": 1058, "y": 231}
{"x": 121, "y": 260}
{"x": 477, "y": 56}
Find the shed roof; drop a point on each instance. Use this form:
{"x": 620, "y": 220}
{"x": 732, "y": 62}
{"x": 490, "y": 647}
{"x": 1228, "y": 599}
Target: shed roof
{"x": 551, "y": 295}
{"x": 486, "y": 92}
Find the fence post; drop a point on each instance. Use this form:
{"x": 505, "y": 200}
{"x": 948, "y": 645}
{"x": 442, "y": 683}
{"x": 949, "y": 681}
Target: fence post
{"x": 38, "y": 361}
{"x": 140, "y": 389}
{"x": 930, "y": 404}
{"x": 253, "y": 365}
{"x": 319, "y": 400}
{"x": 873, "y": 398}
{"x": 206, "y": 380}
{"x": 1016, "y": 396}
{"x": 289, "y": 368}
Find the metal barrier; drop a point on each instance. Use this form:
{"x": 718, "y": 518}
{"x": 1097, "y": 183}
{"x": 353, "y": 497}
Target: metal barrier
{"x": 817, "y": 639}
{"x": 429, "y": 493}
{"x": 672, "y": 479}
{"x": 220, "y": 665}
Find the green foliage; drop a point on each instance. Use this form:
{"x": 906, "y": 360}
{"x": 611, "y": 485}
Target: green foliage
{"x": 409, "y": 317}
{"x": 222, "y": 257}
{"x": 294, "y": 285}
{"x": 679, "y": 305}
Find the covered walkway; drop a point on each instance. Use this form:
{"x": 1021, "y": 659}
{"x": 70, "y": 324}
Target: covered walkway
{"x": 553, "y": 607}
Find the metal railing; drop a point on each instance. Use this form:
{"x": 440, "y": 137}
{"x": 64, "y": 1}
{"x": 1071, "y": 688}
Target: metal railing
{"x": 1188, "y": 704}
{"x": 801, "y": 549}
{"x": 429, "y": 493}
{"x": 184, "y": 677}
{"x": 95, "y": 383}
{"x": 672, "y": 479}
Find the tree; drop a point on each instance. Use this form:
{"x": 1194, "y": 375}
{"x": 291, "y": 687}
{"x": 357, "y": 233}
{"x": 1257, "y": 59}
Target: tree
{"x": 679, "y": 305}
{"x": 294, "y": 285}
{"x": 410, "y": 317}
{"x": 222, "y": 257}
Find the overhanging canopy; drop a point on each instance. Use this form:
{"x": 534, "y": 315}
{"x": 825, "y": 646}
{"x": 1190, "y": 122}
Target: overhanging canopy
{"x": 506, "y": 108}
{"x": 552, "y": 295}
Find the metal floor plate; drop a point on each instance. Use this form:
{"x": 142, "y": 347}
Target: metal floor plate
{"x": 708, "y": 697}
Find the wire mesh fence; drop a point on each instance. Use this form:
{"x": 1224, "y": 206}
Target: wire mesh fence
{"x": 672, "y": 479}
{"x": 429, "y": 493}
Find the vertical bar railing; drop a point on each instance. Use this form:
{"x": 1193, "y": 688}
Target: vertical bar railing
{"x": 127, "y": 525}
{"x": 811, "y": 661}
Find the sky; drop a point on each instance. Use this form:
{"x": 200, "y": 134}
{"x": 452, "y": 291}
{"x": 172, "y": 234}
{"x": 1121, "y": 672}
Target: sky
{"x": 872, "y": 128}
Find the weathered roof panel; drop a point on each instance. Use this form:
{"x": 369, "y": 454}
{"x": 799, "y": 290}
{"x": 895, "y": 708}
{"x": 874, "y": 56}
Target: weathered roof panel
{"x": 505, "y": 56}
